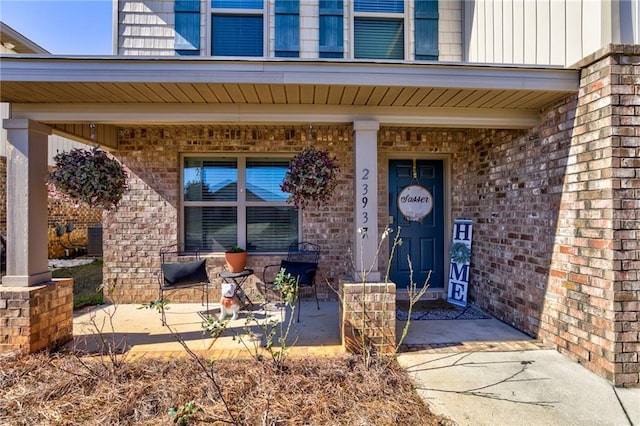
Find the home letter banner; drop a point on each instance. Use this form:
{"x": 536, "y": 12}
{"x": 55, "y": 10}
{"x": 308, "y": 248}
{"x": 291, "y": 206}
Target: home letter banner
{"x": 460, "y": 262}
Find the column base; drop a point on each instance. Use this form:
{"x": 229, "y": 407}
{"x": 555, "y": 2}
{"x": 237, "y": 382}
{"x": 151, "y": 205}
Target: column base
{"x": 368, "y": 316}
{"x": 37, "y": 317}
{"x": 26, "y": 280}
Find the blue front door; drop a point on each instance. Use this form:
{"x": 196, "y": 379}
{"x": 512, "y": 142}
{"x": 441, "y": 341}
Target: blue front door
{"x": 422, "y": 241}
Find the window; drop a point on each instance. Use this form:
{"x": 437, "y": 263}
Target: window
{"x": 237, "y": 28}
{"x": 378, "y": 29}
{"x": 229, "y": 201}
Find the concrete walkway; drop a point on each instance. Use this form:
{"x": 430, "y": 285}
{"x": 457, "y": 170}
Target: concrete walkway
{"x": 484, "y": 372}
{"x": 476, "y": 372}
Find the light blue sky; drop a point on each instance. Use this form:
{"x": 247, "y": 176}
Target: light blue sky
{"x": 82, "y": 27}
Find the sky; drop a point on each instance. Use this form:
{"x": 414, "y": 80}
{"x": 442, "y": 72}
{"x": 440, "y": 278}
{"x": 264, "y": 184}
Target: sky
{"x": 76, "y": 27}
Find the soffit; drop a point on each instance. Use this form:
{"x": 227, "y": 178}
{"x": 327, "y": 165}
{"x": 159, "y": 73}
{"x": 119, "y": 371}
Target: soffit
{"x": 170, "y": 82}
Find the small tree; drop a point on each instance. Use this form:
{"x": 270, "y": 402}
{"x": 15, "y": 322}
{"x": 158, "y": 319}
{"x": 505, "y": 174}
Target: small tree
{"x": 89, "y": 176}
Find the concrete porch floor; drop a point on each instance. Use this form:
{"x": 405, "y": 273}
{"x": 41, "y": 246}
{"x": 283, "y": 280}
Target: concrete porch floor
{"x": 140, "y": 331}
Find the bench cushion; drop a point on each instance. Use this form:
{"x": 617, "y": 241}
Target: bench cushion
{"x": 183, "y": 273}
{"x": 306, "y": 271}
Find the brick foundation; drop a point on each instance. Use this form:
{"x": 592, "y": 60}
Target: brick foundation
{"x": 376, "y": 303}
{"x": 35, "y": 318}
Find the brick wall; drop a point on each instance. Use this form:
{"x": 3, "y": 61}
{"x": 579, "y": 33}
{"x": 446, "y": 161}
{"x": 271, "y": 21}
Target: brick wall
{"x": 147, "y": 218}
{"x": 625, "y": 90}
{"x": 556, "y": 211}
{"x": 81, "y": 216}
{"x": 59, "y": 212}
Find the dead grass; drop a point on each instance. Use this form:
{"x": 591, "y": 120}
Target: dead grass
{"x": 63, "y": 389}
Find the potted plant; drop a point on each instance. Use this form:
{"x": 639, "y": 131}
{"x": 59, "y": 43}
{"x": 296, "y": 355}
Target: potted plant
{"x": 236, "y": 258}
{"x": 89, "y": 176}
{"x": 311, "y": 178}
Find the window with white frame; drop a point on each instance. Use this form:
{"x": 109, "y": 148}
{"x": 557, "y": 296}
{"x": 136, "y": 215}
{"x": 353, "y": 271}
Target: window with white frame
{"x": 378, "y": 29}
{"x": 237, "y": 27}
{"x": 231, "y": 201}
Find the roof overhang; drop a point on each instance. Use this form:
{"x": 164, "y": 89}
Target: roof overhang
{"x": 126, "y": 91}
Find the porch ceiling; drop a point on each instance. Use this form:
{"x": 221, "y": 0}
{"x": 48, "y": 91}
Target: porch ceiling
{"x": 123, "y": 90}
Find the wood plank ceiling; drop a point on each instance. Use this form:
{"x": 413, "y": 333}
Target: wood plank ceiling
{"x": 273, "y": 94}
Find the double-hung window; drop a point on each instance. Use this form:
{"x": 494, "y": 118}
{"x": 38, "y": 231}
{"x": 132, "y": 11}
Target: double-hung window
{"x": 237, "y": 27}
{"x": 378, "y": 29}
{"x": 231, "y": 201}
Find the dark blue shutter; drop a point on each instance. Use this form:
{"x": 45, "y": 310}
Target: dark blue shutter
{"x": 426, "y": 23}
{"x": 187, "y": 6}
{"x": 331, "y": 29}
{"x": 237, "y": 35}
{"x": 287, "y": 32}
{"x": 187, "y": 27}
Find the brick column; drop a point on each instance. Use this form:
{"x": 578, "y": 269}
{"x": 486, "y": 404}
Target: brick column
{"x": 592, "y": 307}
{"x": 370, "y": 307}
{"x": 36, "y": 317}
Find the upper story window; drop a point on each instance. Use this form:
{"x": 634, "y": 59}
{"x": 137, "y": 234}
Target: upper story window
{"x": 378, "y": 29}
{"x": 237, "y": 200}
{"x": 237, "y": 27}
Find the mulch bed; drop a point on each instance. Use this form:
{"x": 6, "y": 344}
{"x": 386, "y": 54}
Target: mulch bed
{"x": 59, "y": 389}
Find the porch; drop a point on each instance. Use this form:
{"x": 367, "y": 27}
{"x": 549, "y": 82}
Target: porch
{"x": 140, "y": 333}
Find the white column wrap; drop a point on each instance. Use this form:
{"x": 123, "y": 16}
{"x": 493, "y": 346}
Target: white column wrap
{"x": 26, "y": 203}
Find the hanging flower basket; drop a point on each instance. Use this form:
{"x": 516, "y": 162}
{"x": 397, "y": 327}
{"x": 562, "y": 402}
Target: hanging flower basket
{"x": 311, "y": 178}
{"x": 89, "y": 176}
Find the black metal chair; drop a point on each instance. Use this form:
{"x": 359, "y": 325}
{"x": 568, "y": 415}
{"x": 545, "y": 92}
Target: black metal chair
{"x": 302, "y": 263}
{"x": 180, "y": 269}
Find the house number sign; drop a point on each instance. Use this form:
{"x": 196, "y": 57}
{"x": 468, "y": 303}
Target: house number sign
{"x": 415, "y": 202}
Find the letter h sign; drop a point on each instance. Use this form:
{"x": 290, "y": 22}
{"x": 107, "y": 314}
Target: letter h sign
{"x": 460, "y": 262}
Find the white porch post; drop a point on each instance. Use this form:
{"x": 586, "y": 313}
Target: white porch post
{"x": 26, "y": 203}
{"x": 366, "y": 200}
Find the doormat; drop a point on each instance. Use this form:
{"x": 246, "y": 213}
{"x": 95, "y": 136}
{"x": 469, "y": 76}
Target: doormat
{"x": 437, "y": 310}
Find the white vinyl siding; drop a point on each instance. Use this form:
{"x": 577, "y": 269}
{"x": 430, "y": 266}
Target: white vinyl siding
{"x": 541, "y": 32}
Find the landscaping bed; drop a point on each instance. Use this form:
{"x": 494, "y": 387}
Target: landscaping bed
{"x": 59, "y": 389}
